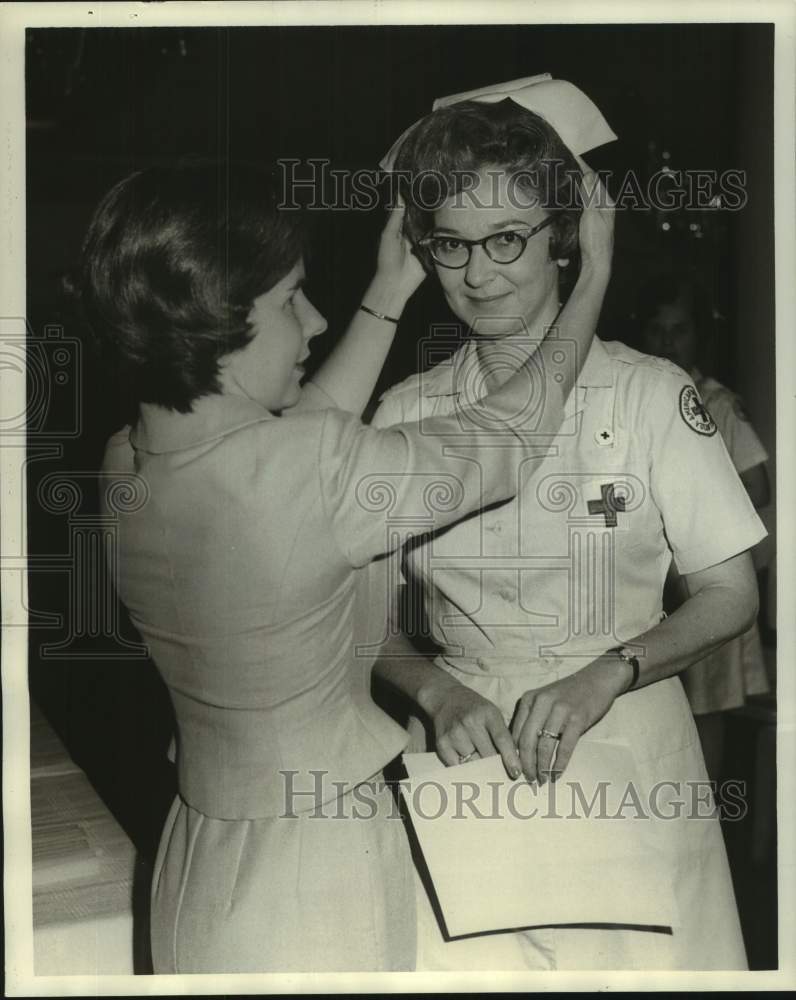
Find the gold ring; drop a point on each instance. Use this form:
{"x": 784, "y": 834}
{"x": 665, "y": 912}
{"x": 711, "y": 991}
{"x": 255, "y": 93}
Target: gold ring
{"x": 546, "y": 732}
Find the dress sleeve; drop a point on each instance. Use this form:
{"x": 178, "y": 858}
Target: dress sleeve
{"x": 391, "y": 410}
{"x": 394, "y": 408}
{"x": 313, "y": 397}
{"x": 706, "y": 512}
{"x": 381, "y": 487}
{"x": 745, "y": 447}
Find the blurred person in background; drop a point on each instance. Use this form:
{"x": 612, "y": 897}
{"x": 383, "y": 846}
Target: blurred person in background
{"x": 674, "y": 321}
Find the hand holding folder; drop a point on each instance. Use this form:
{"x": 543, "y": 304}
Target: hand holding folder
{"x": 505, "y": 854}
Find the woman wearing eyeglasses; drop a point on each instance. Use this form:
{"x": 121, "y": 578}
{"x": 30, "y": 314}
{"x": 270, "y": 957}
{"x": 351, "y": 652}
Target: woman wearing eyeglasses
{"x": 261, "y": 502}
{"x": 546, "y": 611}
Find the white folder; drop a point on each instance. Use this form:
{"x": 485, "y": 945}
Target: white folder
{"x": 505, "y": 854}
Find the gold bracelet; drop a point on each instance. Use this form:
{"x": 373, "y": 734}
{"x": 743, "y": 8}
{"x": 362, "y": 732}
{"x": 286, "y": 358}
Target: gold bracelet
{"x": 373, "y": 312}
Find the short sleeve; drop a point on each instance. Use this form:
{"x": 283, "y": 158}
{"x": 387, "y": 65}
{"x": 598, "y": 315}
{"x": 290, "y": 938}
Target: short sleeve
{"x": 706, "y": 511}
{"x": 745, "y": 447}
{"x": 314, "y": 397}
{"x": 391, "y": 410}
{"x": 381, "y": 487}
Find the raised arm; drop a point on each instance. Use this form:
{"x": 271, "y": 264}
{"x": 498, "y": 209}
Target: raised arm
{"x": 577, "y": 321}
{"x": 347, "y": 378}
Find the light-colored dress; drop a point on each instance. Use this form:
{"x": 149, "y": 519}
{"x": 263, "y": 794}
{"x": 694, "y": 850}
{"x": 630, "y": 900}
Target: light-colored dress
{"x": 535, "y": 588}
{"x": 725, "y": 678}
{"x": 239, "y": 541}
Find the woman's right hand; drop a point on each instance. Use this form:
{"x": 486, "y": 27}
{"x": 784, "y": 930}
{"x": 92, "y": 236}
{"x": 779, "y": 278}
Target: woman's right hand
{"x": 467, "y": 725}
{"x": 398, "y": 268}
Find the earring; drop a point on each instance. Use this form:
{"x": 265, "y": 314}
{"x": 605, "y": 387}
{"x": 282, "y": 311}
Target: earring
{"x": 563, "y": 262}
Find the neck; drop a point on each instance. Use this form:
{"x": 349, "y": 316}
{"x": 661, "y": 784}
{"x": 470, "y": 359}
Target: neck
{"x": 500, "y": 357}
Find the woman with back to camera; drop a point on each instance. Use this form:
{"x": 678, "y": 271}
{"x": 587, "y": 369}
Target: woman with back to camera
{"x": 674, "y": 323}
{"x": 549, "y": 647}
{"x": 240, "y": 553}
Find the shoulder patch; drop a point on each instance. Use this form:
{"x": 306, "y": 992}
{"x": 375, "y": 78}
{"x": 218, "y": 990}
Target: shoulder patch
{"x": 694, "y": 413}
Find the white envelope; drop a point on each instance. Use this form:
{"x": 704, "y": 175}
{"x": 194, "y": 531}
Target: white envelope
{"x": 504, "y": 854}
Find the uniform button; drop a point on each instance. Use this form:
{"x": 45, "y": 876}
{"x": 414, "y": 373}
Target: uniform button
{"x": 604, "y": 437}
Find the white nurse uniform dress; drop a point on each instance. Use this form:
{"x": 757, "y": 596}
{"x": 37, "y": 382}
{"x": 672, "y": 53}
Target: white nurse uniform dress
{"x": 535, "y": 588}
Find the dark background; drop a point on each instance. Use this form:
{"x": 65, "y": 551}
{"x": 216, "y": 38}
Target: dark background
{"x": 102, "y": 102}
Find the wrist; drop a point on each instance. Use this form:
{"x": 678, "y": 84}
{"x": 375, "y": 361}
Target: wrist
{"x": 433, "y": 691}
{"x": 626, "y": 657}
{"x": 614, "y": 671}
{"x": 386, "y": 296}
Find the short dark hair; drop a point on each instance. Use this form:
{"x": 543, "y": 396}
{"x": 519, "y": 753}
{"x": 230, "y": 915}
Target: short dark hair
{"x": 473, "y": 135}
{"x": 173, "y": 259}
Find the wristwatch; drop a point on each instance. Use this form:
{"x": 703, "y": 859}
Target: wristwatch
{"x": 626, "y": 653}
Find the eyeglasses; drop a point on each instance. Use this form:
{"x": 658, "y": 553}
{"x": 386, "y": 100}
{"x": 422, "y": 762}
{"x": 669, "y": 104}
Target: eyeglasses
{"x": 502, "y": 248}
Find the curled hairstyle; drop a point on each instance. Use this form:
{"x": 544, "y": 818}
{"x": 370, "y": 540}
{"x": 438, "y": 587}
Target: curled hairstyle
{"x": 173, "y": 259}
{"x": 463, "y": 139}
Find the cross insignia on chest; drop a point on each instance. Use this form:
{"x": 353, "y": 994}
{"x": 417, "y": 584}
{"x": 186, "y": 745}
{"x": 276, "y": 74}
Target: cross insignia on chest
{"x": 609, "y": 505}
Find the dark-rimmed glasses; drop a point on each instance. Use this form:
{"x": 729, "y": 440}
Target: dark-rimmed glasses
{"x": 503, "y": 248}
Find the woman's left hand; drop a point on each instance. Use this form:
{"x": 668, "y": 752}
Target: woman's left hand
{"x": 568, "y": 707}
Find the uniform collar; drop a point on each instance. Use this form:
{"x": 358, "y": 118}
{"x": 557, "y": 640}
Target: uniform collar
{"x": 451, "y": 377}
{"x": 159, "y": 430}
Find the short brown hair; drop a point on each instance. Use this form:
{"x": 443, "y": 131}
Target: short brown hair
{"x": 171, "y": 265}
{"x": 473, "y": 135}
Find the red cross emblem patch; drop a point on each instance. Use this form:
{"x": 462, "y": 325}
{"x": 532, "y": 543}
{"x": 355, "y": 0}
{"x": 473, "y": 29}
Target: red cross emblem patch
{"x": 694, "y": 412}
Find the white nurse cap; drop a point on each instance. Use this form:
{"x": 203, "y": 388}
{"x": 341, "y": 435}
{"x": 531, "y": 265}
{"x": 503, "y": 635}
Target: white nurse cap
{"x": 575, "y": 117}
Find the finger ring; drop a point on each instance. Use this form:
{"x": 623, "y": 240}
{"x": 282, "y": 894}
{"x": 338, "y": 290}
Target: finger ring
{"x": 463, "y": 758}
{"x": 546, "y": 732}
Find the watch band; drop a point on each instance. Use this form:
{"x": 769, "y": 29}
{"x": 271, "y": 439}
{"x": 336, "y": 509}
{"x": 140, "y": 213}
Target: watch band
{"x": 626, "y": 654}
